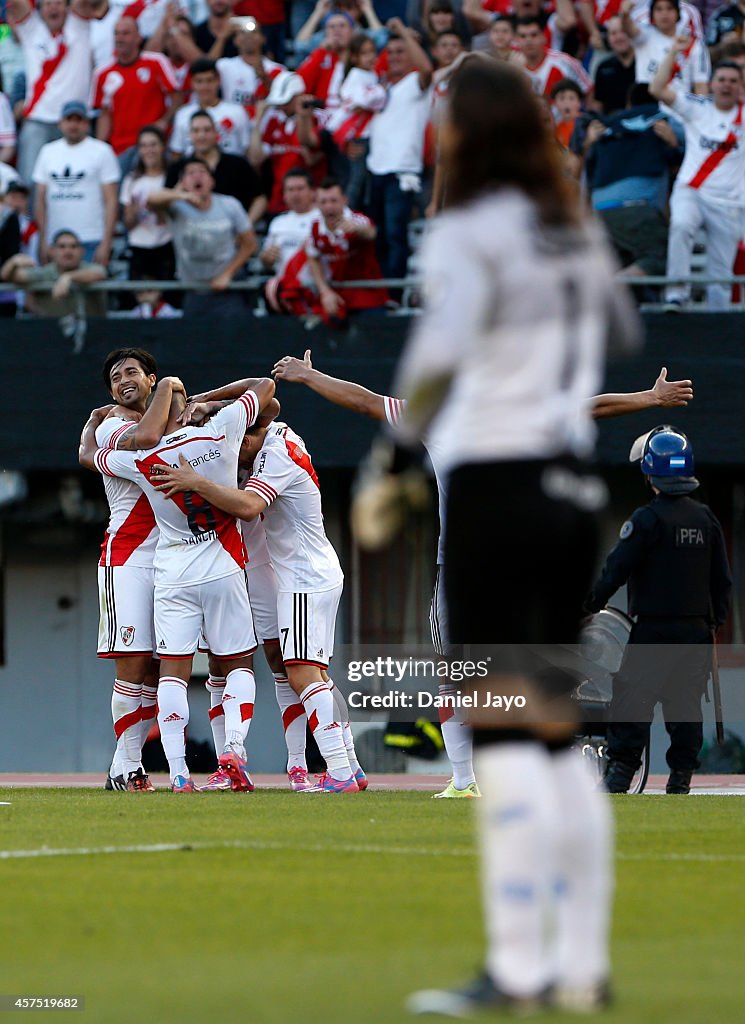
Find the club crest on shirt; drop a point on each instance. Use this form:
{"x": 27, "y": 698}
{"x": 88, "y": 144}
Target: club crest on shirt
{"x": 127, "y": 634}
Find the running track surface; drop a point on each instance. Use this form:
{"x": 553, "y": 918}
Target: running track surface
{"x": 723, "y": 785}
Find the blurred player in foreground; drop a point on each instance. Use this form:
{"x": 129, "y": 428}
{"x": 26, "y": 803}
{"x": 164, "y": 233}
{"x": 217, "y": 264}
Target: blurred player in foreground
{"x": 455, "y": 732}
{"x": 521, "y": 304}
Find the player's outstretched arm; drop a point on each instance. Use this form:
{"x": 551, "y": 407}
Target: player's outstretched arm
{"x": 664, "y": 393}
{"x": 340, "y": 392}
{"x": 262, "y": 386}
{"x": 242, "y": 504}
{"x": 206, "y": 403}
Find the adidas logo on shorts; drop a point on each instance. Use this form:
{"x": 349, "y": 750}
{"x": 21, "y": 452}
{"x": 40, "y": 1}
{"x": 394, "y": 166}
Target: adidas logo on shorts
{"x": 173, "y": 718}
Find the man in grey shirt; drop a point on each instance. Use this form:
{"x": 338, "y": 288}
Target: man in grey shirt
{"x": 67, "y": 269}
{"x": 213, "y": 239}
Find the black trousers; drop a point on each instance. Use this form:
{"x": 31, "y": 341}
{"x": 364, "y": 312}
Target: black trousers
{"x": 518, "y": 563}
{"x": 518, "y": 560}
{"x": 667, "y": 662}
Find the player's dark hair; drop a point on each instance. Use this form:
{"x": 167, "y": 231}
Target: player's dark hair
{"x": 496, "y": 137}
{"x": 726, "y": 64}
{"x": 201, "y": 113}
{"x": 504, "y": 19}
{"x": 528, "y": 19}
{"x": 65, "y": 231}
{"x": 567, "y": 85}
{"x": 450, "y": 32}
{"x": 299, "y": 172}
{"x": 189, "y": 160}
{"x": 653, "y": 4}
{"x": 204, "y": 64}
{"x": 329, "y": 182}
{"x": 118, "y": 355}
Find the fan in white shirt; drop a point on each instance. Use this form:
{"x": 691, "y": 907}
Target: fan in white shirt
{"x": 231, "y": 120}
{"x": 709, "y": 191}
{"x": 653, "y": 41}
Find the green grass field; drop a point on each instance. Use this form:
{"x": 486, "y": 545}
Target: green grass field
{"x": 332, "y": 911}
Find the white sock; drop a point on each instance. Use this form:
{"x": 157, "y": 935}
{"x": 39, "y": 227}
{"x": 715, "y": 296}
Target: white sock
{"x": 341, "y": 711}
{"x": 319, "y": 707}
{"x": 585, "y": 874}
{"x": 173, "y": 718}
{"x": 238, "y": 701}
{"x": 125, "y": 712}
{"x": 293, "y": 720}
{"x": 456, "y": 736}
{"x": 215, "y": 686}
{"x": 148, "y": 712}
{"x": 517, "y": 829}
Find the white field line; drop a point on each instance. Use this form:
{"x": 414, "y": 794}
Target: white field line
{"x": 396, "y": 851}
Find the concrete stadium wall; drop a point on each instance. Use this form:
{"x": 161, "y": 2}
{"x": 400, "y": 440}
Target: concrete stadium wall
{"x": 46, "y": 385}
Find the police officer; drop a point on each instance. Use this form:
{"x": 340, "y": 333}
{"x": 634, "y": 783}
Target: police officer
{"x": 672, "y": 554}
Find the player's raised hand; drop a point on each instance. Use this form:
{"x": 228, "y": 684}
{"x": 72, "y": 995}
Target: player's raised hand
{"x": 292, "y": 369}
{"x": 172, "y": 480}
{"x": 670, "y": 393}
{"x": 195, "y": 413}
{"x": 98, "y": 415}
{"x": 176, "y": 384}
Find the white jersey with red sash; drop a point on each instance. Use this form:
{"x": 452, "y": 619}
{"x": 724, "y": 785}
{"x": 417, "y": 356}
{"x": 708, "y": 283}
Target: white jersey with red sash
{"x": 197, "y": 541}
{"x": 132, "y": 535}
{"x": 283, "y": 475}
{"x": 553, "y": 68}
{"x": 692, "y": 66}
{"x": 714, "y": 162}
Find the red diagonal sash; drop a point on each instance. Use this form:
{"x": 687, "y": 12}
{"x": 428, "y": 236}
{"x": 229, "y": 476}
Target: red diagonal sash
{"x": 715, "y": 158}
{"x": 225, "y": 526}
{"x": 47, "y": 70}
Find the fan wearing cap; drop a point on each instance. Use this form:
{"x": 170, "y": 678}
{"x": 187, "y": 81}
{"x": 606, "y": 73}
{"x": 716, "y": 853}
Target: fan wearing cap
{"x": 287, "y": 134}
{"x": 77, "y": 181}
{"x": 672, "y": 555}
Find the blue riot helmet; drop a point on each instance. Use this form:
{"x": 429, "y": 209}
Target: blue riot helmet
{"x": 666, "y": 457}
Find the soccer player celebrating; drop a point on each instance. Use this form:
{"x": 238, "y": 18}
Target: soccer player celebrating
{"x": 199, "y": 581}
{"x": 283, "y": 488}
{"x": 125, "y": 569}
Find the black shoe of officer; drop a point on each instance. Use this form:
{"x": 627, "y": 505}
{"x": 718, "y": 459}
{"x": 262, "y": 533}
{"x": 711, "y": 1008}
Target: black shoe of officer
{"x": 618, "y": 777}
{"x": 679, "y": 782}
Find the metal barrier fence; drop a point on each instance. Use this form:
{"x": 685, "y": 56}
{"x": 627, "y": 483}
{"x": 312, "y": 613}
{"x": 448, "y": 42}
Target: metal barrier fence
{"x": 76, "y": 327}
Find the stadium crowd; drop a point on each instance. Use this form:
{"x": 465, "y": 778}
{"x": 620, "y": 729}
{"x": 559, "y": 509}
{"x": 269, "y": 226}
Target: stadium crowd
{"x": 201, "y": 140}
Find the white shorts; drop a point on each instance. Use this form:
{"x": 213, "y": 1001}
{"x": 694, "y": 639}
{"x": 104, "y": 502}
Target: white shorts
{"x": 438, "y": 614}
{"x": 125, "y": 602}
{"x": 219, "y": 609}
{"x": 306, "y": 626}
{"x": 262, "y": 593}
